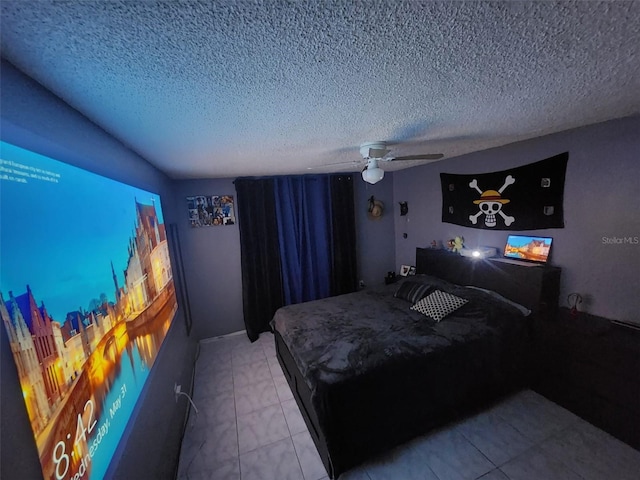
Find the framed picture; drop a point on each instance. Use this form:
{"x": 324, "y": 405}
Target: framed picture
{"x": 412, "y": 270}
{"x": 211, "y": 210}
{"x": 404, "y": 270}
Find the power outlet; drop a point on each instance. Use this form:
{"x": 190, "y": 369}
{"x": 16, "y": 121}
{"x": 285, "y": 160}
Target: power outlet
{"x": 177, "y": 390}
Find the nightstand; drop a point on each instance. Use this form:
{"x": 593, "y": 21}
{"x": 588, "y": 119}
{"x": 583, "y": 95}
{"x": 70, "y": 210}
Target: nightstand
{"x": 389, "y": 280}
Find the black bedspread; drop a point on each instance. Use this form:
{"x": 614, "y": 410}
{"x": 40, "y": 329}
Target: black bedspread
{"x": 380, "y": 373}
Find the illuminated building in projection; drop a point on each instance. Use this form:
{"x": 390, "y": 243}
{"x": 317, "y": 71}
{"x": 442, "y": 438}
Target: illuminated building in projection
{"x": 39, "y": 324}
{"x": 148, "y": 267}
{"x": 134, "y": 277}
{"x": 26, "y": 359}
{"x": 73, "y": 327}
{"x": 63, "y": 366}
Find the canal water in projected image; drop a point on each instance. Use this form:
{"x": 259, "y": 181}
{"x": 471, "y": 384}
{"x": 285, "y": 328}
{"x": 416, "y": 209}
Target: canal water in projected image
{"x": 117, "y": 400}
{"x": 122, "y": 399}
{"x": 88, "y": 424}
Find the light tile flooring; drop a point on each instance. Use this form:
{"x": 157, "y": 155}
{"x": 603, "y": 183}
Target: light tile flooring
{"x": 249, "y": 427}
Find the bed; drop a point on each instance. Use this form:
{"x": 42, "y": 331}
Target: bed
{"x": 369, "y": 373}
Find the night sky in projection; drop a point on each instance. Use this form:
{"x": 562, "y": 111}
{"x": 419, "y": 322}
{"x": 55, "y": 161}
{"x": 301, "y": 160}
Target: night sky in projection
{"x": 60, "y": 229}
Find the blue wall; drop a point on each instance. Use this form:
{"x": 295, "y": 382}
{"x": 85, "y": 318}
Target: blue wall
{"x": 601, "y": 200}
{"x": 212, "y": 254}
{"x": 212, "y": 263}
{"x": 374, "y": 237}
{"x": 33, "y": 118}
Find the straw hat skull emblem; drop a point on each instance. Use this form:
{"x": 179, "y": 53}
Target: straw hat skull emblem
{"x": 491, "y": 202}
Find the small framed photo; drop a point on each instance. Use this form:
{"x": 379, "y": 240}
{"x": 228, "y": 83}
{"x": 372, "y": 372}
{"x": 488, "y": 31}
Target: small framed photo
{"x": 404, "y": 270}
{"x": 412, "y": 270}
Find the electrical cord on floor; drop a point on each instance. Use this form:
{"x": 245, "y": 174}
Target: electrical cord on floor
{"x": 188, "y": 413}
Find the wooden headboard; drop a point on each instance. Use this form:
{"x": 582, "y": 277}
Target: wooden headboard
{"x": 537, "y": 287}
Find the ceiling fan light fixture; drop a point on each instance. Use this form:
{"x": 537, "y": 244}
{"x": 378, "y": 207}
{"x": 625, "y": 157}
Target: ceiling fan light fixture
{"x": 372, "y": 173}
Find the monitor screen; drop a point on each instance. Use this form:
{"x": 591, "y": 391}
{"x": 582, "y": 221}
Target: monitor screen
{"x": 87, "y": 297}
{"x": 532, "y": 249}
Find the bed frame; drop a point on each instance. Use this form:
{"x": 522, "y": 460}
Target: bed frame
{"x": 533, "y": 286}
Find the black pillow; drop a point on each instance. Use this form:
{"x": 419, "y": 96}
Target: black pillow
{"x": 412, "y": 291}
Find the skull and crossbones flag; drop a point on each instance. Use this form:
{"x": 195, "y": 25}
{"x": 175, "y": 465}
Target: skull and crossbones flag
{"x": 529, "y": 197}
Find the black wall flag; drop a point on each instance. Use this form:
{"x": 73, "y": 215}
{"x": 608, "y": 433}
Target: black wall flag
{"x": 523, "y": 198}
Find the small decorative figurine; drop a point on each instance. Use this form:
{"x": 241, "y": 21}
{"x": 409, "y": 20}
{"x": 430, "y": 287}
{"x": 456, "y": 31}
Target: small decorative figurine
{"x": 455, "y": 244}
{"x": 458, "y": 244}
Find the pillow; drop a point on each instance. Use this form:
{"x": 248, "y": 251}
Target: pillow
{"x": 439, "y": 304}
{"x": 412, "y": 291}
{"x": 521, "y": 308}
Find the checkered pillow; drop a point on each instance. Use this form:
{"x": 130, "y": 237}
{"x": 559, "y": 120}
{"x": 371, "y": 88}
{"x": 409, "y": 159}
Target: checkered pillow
{"x": 438, "y": 305}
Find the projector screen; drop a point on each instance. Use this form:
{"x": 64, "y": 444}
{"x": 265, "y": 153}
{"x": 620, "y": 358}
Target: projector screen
{"x": 87, "y": 297}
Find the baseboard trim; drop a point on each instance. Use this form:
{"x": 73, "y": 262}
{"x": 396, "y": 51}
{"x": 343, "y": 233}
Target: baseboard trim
{"x": 220, "y": 337}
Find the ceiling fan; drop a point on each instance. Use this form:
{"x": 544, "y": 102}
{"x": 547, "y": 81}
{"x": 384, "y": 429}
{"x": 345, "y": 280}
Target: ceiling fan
{"x": 374, "y": 152}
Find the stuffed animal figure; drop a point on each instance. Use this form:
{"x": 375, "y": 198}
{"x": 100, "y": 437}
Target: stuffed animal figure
{"x": 456, "y": 244}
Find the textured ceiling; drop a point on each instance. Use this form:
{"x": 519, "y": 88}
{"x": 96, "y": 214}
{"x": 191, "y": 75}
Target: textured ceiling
{"x": 220, "y": 89}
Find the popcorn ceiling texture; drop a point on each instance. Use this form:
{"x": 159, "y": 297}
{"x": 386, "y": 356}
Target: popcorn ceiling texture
{"x": 220, "y": 89}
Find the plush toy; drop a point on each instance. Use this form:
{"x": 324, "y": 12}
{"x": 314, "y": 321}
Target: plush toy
{"x": 456, "y": 244}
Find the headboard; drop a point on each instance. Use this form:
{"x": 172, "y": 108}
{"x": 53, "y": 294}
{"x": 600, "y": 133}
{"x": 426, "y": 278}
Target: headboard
{"x": 537, "y": 287}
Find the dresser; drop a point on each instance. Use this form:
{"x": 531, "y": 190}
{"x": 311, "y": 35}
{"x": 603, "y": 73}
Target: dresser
{"x": 591, "y": 366}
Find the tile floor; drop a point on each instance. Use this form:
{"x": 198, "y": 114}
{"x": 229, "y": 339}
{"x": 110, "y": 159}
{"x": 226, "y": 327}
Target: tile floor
{"x": 249, "y": 427}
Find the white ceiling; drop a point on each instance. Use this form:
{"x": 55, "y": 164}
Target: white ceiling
{"x": 229, "y": 88}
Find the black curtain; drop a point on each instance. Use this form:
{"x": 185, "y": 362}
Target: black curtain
{"x": 344, "y": 267}
{"x": 260, "y": 254}
{"x": 263, "y": 203}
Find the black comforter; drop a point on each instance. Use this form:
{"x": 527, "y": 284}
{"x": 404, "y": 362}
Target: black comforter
{"x": 380, "y": 373}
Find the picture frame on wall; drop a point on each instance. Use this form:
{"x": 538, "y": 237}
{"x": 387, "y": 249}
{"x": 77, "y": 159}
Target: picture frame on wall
{"x": 211, "y": 210}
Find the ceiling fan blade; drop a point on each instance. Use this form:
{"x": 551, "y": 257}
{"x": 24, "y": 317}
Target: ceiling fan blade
{"x": 353, "y": 163}
{"x": 426, "y": 156}
{"x": 377, "y": 152}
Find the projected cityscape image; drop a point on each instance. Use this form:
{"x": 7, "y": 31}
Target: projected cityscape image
{"x": 86, "y": 297}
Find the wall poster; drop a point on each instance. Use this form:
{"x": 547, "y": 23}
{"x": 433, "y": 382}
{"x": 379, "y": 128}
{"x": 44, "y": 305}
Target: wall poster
{"x": 210, "y": 210}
